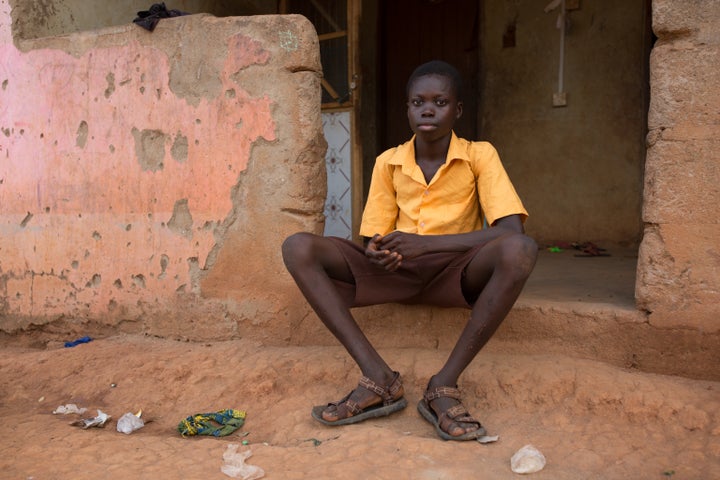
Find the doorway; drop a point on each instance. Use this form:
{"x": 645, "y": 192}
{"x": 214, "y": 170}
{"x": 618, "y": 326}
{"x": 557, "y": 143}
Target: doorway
{"x": 413, "y": 32}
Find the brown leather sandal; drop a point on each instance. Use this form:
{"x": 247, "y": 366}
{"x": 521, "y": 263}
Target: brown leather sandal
{"x": 457, "y": 413}
{"x": 392, "y": 401}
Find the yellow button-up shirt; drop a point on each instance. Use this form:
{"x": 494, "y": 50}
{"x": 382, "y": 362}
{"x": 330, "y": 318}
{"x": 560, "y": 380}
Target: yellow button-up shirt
{"x": 472, "y": 183}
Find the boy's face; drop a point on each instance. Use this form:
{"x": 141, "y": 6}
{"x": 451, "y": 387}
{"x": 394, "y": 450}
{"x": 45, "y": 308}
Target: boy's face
{"x": 433, "y": 107}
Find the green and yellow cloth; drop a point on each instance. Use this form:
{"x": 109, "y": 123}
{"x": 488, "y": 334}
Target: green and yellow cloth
{"x": 217, "y": 424}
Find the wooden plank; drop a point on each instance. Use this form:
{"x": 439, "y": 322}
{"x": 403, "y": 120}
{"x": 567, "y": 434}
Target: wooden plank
{"x": 331, "y": 35}
{"x": 354, "y": 11}
{"x": 326, "y": 85}
{"x": 326, "y": 15}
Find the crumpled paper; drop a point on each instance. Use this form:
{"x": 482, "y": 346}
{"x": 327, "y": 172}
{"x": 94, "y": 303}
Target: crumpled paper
{"x": 235, "y": 466}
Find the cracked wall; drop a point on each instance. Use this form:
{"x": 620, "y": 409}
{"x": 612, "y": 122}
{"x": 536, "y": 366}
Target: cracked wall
{"x": 131, "y": 160}
{"x": 678, "y": 279}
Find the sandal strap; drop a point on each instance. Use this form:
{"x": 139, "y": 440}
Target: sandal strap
{"x": 438, "y": 392}
{"x": 457, "y": 413}
{"x": 389, "y": 393}
{"x": 368, "y": 384}
{"x": 352, "y": 407}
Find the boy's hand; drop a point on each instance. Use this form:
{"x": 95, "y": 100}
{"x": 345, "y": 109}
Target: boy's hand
{"x": 406, "y": 245}
{"x": 380, "y": 256}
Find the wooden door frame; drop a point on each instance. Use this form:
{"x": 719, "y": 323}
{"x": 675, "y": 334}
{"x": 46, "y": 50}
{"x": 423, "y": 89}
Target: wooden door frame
{"x": 354, "y": 12}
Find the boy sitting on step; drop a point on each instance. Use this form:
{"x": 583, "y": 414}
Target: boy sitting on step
{"x": 425, "y": 244}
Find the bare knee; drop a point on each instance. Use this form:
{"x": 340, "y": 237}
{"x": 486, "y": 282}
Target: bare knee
{"x": 519, "y": 253}
{"x": 297, "y": 250}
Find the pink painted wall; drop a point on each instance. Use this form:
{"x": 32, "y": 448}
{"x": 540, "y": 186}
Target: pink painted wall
{"x": 122, "y": 159}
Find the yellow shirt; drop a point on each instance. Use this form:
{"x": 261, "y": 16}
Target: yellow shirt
{"x": 471, "y": 183}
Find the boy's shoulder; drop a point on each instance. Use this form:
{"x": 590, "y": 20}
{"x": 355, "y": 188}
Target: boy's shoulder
{"x": 472, "y": 150}
{"x": 396, "y": 155}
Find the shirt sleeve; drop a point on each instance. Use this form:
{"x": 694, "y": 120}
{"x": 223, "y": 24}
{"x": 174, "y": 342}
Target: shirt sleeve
{"x": 496, "y": 193}
{"x": 381, "y": 209}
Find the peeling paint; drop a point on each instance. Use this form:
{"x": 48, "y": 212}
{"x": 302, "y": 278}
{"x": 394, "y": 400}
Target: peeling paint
{"x": 179, "y": 150}
{"x": 150, "y": 148}
{"x": 111, "y": 84}
{"x": 25, "y": 220}
{"x": 164, "y": 260}
{"x": 137, "y": 201}
{"x": 181, "y": 221}
{"x": 82, "y": 134}
{"x": 139, "y": 280}
{"x": 95, "y": 281}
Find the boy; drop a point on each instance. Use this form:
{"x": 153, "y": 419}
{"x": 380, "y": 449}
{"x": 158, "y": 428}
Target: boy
{"x": 425, "y": 244}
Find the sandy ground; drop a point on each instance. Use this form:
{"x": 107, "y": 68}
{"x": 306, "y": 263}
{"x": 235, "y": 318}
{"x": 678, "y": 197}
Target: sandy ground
{"x": 590, "y": 420}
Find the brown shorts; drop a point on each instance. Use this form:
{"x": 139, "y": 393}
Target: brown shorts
{"x": 431, "y": 279}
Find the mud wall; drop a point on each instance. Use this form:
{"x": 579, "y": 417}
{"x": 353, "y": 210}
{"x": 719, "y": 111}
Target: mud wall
{"x": 579, "y": 166}
{"x": 679, "y": 263}
{"x": 36, "y": 19}
{"x": 147, "y": 180}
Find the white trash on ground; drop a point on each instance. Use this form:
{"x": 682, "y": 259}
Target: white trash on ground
{"x": 69, "y": 408}
{"x": 488, "y": 439}
{"x": 129, "y": 422}
{"x": 235, "y": 466}
{"x": 98, "y": 421}
{"x": 527, "y": 460}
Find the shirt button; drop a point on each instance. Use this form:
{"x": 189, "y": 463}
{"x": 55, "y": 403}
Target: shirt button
{"x": 427, "y": 192}
{"x": 422, "y": 224}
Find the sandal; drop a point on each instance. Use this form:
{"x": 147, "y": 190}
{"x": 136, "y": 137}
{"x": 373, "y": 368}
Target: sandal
{"x": 392, "y": 401}
{"x": 457, "y": 413}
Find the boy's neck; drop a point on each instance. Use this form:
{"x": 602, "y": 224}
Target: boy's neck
{"x": 434, "y": 149}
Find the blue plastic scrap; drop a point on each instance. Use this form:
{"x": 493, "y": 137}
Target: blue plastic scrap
{"x": 78, "y": 342}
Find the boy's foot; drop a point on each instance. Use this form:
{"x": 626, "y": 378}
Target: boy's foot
{"x": 368, "y": 400}
{"x": 453, "y": 422}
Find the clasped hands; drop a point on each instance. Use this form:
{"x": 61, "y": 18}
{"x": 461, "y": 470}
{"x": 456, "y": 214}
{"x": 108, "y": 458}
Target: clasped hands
{"x": 389, "y": 251}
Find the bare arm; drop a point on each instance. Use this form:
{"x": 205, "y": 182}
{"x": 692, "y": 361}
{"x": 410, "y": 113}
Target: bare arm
{"x": 388, "y": 251}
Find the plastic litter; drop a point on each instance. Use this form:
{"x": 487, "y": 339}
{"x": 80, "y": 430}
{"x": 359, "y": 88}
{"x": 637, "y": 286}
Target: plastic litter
{"x": 235, "y": 466}
{"x": 527, "y": 460}
{"x": 98, "y": 421}
{"x": 78, "y": 342}
{"x": 488, "y": 439}
{"x": 68, "y": 408}
{"x": 217, "y": 424}
{"x": 130, "y": 422}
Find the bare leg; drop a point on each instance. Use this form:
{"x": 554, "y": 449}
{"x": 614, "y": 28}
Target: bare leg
{"x": 313, "y": 261}
{"x": 498, "y": 272}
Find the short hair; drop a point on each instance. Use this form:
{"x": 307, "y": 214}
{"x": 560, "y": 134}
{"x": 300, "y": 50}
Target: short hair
{"x": 437, "y": 67}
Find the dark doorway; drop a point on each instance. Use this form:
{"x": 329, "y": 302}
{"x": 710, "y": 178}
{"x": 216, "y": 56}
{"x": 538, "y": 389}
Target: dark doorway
{"x": 416, "y": 31}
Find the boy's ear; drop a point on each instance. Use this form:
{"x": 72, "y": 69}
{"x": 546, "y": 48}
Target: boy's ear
{"x": 459, "y": 110}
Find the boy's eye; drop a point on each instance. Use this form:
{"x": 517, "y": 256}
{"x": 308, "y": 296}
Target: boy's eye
{"x": 441, "y": 102}
{"x": 416, "y": 102}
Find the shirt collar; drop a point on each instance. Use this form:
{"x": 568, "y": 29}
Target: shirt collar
{"x": 405, "y": 153}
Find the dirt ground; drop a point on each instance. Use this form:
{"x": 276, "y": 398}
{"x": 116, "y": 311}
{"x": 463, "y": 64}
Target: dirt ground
{"x": 590, "y": 420}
